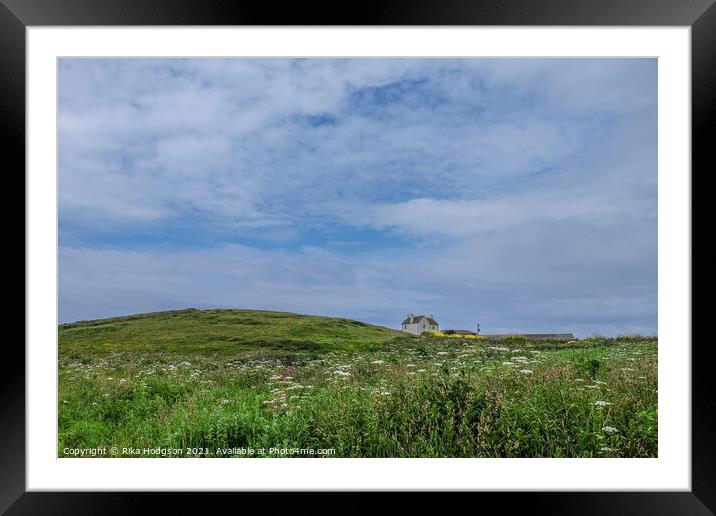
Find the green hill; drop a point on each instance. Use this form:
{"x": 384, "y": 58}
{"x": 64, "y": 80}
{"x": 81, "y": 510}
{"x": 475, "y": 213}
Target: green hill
{"x": 221, "y": 331}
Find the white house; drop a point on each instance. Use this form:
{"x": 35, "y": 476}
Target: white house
{"x": 417, "y": 324}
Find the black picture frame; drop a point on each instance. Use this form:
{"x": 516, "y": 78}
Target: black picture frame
{"x": 700, "y": 15}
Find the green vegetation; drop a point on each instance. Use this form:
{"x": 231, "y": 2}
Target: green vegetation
{"x": 226, "y": 332}
{"x": 208, "y": 381}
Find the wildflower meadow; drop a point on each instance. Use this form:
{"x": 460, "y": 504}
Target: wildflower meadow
{"x": 218, "y": 382}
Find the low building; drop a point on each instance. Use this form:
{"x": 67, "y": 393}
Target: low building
{"x": 533, "y": 336}
{"x": 417, "y": 324}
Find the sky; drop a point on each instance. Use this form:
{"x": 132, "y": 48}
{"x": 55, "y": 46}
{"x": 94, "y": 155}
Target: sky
{"x": 520, "y": 194}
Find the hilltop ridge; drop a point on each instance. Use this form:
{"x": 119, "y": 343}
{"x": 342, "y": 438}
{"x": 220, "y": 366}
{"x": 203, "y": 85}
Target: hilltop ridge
{"x": 221, "y": 330}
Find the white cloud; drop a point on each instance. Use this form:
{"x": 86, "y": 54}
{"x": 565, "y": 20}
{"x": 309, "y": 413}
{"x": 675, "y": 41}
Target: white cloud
{"x": 188, "y": 133}
{"x": 510, "y": 289}
{"x": 511, "y": 190}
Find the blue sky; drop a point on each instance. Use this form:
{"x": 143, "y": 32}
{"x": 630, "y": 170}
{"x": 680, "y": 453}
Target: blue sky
{"x": 517, "y": 193}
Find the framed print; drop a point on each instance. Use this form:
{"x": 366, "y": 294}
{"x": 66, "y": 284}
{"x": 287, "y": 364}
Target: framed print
{"x": 425, "y": 248}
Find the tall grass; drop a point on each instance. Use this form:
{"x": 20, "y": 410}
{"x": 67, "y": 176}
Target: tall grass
{"x": 423, "y": 398}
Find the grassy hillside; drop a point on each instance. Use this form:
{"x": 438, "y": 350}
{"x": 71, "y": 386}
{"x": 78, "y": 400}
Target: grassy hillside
{"x": 221, "y": 331}
{"x": 213, "y": 383}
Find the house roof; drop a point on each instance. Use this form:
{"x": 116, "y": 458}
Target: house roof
{"x": 419, "y": 318}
